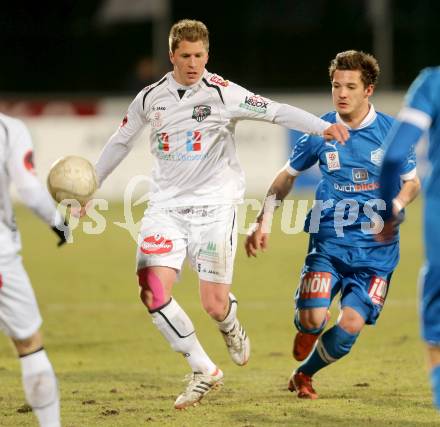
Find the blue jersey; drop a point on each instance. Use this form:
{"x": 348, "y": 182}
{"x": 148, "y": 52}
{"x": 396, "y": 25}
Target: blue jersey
{"x": 349, "y": 188}
{"x": 421, "y": 112}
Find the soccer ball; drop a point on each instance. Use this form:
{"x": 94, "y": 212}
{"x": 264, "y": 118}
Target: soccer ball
{"x": 72, "y": 177}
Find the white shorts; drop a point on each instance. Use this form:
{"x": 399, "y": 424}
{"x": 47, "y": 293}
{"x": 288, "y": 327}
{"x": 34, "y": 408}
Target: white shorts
{"x": 19, "y": 314}
{"x": 206, "y": 235}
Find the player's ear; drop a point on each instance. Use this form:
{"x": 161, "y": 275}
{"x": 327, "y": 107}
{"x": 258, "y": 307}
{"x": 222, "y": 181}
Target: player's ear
{"x": 171, "y": 57}
{"x": 369, "y": 90}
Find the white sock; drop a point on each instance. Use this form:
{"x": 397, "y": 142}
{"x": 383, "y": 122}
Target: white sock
{"x": 228, "y": 322}
{"x": 41, "y": 388}
{"x": 177, "y": 328}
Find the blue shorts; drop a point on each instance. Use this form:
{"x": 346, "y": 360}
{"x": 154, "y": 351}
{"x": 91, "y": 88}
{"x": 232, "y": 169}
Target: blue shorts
{"x": 361, "y": 275}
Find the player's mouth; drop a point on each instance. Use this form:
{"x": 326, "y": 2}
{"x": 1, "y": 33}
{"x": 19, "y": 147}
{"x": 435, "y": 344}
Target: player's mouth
{"x": 192, "y": 75}
{"x": 342, "y": 105}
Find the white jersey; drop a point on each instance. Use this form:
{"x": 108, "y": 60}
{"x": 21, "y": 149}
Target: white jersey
{"x": 16, "y": 165}
{"x": 192, "y": 138}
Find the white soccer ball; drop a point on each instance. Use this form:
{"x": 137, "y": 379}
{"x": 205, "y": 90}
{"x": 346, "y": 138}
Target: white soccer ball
{"x": 72, "y": 177}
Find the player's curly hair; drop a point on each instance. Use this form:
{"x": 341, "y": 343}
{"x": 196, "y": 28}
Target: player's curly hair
{"x": 190, "y": 30}
{"x": 356, "y": 60}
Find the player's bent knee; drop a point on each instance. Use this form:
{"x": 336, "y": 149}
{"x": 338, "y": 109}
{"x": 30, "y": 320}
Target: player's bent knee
{"x": 216, "y": 309}
{"x": 152, "y": 291}
{"x": 41, "y": 389}
{"x": 28, "y": 345}
{"x": 308, "y": 324}
{"x": 351, "y": 321}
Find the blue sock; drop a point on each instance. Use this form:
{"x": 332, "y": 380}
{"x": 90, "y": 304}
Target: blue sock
{"x": 334, "y": 344}
{"x": 435, "y": 381}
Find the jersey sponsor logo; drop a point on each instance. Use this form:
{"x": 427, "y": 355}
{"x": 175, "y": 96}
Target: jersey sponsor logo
{"x": 201, "y": 112}
{"x": 124, "y": 122}
{"x": 333, "y": 162}
{"x": 255, "y": 103}
{"x": 377, "y": 156}
{"x": 193, "y": 140}
{"x": 378, "y": 290}
{"x": 315, "y": 285}
{"x": 182, "y": 157}
{"x": 162, "y": 140}
{"x": 159, "y": 108}
{"x": 356, "y": 188}
{"x": 219, "y": 81}
{"x": 334, "y": 145}
{"x": 156, "y": 245}
{"x": 28, "y": 161}
{"x": 209, "y": 253}
{"x": 360, "y": 174}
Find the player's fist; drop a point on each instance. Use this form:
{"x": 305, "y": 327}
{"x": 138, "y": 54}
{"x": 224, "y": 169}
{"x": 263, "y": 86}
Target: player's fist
{"x": 256, "y": 240}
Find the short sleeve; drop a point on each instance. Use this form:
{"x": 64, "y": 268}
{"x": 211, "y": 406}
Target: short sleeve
{"x": 421, "y": 106}
{"x": 304, "y": 155}
{"x": 408, "y": 170}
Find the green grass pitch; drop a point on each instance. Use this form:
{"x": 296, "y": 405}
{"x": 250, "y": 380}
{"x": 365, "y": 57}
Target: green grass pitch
{"x": 115, "y": 369}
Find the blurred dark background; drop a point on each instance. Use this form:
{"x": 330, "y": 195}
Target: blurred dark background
{"x": 114, "y": 46}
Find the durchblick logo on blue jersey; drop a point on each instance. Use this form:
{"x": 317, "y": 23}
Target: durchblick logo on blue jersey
{"x": 360, "y": 175}
{"x": 201, "y": 112}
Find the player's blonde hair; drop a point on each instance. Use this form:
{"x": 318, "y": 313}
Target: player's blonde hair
{"x": 356, "y": 60}
{"x": 190, "y": 30}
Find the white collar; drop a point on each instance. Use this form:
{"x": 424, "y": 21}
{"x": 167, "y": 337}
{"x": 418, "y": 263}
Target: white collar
{"x": 175, "y": 85}
{"x": 368, "y": 119}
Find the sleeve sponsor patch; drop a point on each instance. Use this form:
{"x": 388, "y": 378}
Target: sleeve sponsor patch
{"x": 255, "y": 103}
{"x": 315, "y": 285}
{"x": 28, "y": 161}
{"x": 124, "y": 121}
{"x": 219, "y": 81}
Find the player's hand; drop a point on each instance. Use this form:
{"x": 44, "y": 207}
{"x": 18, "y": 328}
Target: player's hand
{"x": 256, "y": 240}
{"x": 336, "y": 131}
{"x": 80, "y": 212}
{"x": 63, "y": 233}
{"x": 391, "y": 225}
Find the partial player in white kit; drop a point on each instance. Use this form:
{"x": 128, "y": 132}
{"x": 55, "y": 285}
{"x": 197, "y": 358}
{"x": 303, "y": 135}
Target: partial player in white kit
{"x": 197, "y": 184}
{"x": 19, "y": 314}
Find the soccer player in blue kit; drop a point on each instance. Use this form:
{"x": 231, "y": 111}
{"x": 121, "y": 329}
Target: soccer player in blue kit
{"x": 343, "y": 256}
{"x": 421, "y": 115}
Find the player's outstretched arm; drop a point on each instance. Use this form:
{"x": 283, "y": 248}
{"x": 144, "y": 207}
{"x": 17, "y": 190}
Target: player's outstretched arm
{"x": 295, "y": 118}
{"x": 22, "y": 172}
{"x": 258, "y": 235}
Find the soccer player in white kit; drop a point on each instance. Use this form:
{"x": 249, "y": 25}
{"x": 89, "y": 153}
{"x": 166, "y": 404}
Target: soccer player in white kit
{"x": 19, "y": 314}
{"x": 197, "y": 184}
